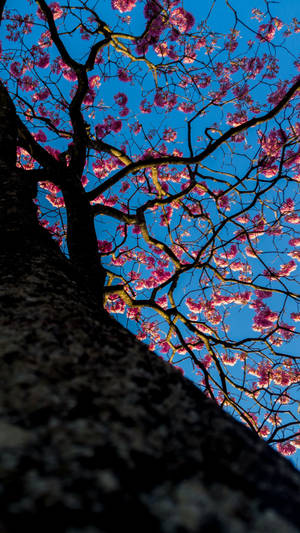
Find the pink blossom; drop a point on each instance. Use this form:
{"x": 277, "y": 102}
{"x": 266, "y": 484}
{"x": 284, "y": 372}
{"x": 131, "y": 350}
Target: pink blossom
{"x": 275, "y": 230}
{"x": 133, "y": 313}
{"x": 89, "y": 97}
{"x": 293, "y": 158}
{"x": 235, "y": 119}
{"x": 275, "y": 97}
{"x": 136, "y": 230}
{"x": 193, "y": 306}
{"x": 258, "y": 225}
{"x": 287, "y": 206}
{"x": 124, "y": 112}
{"x": 55, "y": 153}
{"x": 228, "y": 360}
{"x": 16, "y": 69}
{"x": 242, "y": 298}
{"x": 162, "y": 49}
{"x": 243, "y": 219}
{"x": 231, "y": 253}
{"x": 27, "y": 83}
{"x": 104, "y": 246}
{"x": 100, "y": 131}
{"x": 41, "y": 95}
{"x": 116, "y": 304}
{"x": 264, "y": 319}
{"x": 286, "y": 448}
{"x": 264, "y": 431}
{"x": 137, "y": 127}
{"x": 295, "y": 254}
{"x": 286, "y": 331}
{"x": 237, "y": 266}
{"x": 123, "y": 6}
{"x": 189, "y": 54}
{"x": 69, "y": 74}
{"x": 94, "y": 81}
{"x": 55, "y": 201}
{"x": 182, "y": 20}
{"x": 169, "y": 135}
{"x": 223, "y": 202}
{"x": 296, "y": 441}
{"x": 293, "y": 218}
{"x": 40, "y": 136}
{"x": 185, "y": 107}
{"x": 252, "y": 252}
{"x": 164, "y": 347}
{"x": 241, "y": 92}
{"x": 162, "y": 301}
{"x": 287, "y": 268}
{"x": 56, "y": 9}
{"x": 121, "y": 99}
{"x": 151, "y": 9}
{"x": 202, "y": 80}
{"x": 43, "y": 61}
{"x": 125, "y": 187}
{"x": 261, "y": 294}
{"x": 165, "y": 99}
{"x": 231, "y": 44}
{"x": 295, "y": 317}
{"x": 84, "y": 180}
{"x": 145, "y": 107}
{"x": 45, "y": 40}
{"x": 200, "y": 43}
{"x": 220, "y": 262}
{"x": 116, "y": 126}
{"x": 123, "y": 75}
{"x": 266, "y": 32}
{"x": 253, "y": 66}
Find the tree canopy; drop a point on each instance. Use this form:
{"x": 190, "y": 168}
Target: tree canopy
{"x": 165, "y": 150}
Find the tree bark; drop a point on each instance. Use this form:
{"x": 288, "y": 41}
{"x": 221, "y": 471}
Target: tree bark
{"x": 96, "y": 431}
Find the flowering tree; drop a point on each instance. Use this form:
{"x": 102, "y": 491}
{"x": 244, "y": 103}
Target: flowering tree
{"x": 167, "y": 166}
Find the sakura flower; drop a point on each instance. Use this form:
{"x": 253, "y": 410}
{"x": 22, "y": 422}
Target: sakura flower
{"x": 43, "y": 61}
{"x": 123, "y": 6}
{"x": 162, "y": 301}
{"x": 288, "y": 206}
{"x": 295, "y": 254}
{"x": 123, "y": 75}
{"x": 266, "y": 32}
{"x": 287, "y": 268}
{"x": 124, "y": 111}
{"x": 16, "y": 69}
{"x": 121, "y": 99}
{"x": 286, "y": 448}
{"x": 94, "y": 81}
{"x": 104, "y": 246}
{"x": 56, "y": 9}
{"x": 151, "y": 9}
{"x": 296, "y": 441}
{"x": 40, "y": 136}
{"x": 286, "y": 331}
{"x": 293, "y": 218}
{"x": 55, "y": 201}
{"x": 186, "y": 107}
{"x": 182, "y": 20}
{"x": 133, "y": 313}
{"x": 169, "y": 135}
{"x": 235, "y": 119}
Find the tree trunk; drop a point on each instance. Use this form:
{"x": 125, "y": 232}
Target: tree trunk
{"x": 96, "y": 431}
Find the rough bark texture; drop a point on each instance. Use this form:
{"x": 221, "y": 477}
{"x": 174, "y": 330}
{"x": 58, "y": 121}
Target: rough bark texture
{"x": 95, "y": 431}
